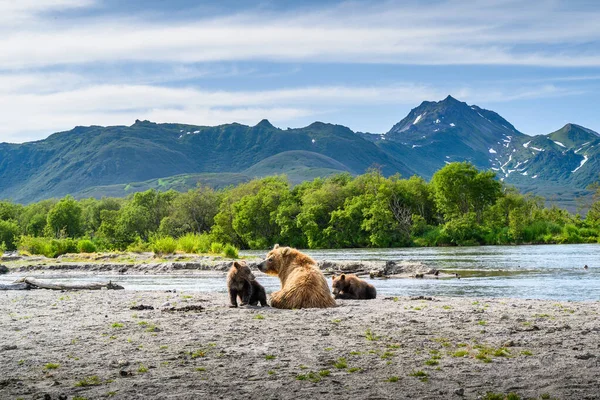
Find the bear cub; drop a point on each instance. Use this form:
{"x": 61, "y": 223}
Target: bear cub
{"x": 241, "y": 283}
{"x": 352, "y": 287}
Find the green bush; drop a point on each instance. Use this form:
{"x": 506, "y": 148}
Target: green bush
{"x": 47, "y": 247}
{"x": 216, "y": 248}
{"x": 34, "y": 245}
{"x": 164, "y": 245}
{"x": 230, "y": 251}
{"x": 189, "y": 243}
{"x": 9, "y": 232}
{"x": 86, "y": 246}
{"x": 139, "y": 246}
{"x": 62, "y": 246}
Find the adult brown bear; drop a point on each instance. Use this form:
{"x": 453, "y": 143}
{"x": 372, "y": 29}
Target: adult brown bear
{"x": 303, "y": 285}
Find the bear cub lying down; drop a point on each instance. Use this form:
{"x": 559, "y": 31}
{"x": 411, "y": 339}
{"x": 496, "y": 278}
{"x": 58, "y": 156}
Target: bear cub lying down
{"x": 241, "y": 283}
{"x": 352, "y": 287}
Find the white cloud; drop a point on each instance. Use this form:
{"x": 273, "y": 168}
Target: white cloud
{"x": 445, "y": 33}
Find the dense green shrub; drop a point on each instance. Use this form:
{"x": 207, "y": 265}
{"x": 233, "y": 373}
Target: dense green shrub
{"x": 163, "y": 245}
{"x": 189, "y": 243}
{"x": 9, "y": 234}
{"x": 230, "y": 251}
{"x": 86, "y": 246}
{"x": 34, "y": 245}
{"x": 139, "y": 246}
{"x": 46, "y": 246}
{"x": 216, "y": 248}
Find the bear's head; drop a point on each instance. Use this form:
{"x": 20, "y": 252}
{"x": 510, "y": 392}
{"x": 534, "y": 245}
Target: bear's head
{"x": 242, "y": 271}
{"x": 338, "y": 283}
{"x": 275, "y": 260}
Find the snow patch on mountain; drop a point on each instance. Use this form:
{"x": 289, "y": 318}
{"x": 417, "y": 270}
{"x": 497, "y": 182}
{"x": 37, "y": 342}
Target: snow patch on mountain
{"x": 585, "y": 158}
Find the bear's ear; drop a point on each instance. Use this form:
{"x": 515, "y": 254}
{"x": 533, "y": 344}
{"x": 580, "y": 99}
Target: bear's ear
{"x": 342, "y": 276}
{"x": 236, "y": 264}
{"x": 285, "y": 251}
{"x": 333, "y": 277}
{"x": 276, "y": 246}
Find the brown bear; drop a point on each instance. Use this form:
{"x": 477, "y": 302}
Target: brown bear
{"x": 303, "y": 285}
{"x": 352, "y": 287}
{"x": 241, "y": 283}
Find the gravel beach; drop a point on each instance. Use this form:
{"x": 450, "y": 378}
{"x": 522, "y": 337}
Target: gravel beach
{"x": 93, "y": 345}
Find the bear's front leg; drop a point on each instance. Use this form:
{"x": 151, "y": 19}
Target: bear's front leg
{"x": 343, "y": 295}
{"x": 275, "y": 299}
{"x": 233, "y": 298}
{"x": 246, "y": 294}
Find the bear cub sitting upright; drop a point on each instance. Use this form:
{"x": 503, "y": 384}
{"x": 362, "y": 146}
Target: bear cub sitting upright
{"x": 241, "y": 283}
{"x": 352, "y": 287}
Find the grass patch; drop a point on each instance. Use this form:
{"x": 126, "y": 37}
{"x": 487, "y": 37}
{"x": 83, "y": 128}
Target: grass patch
{"x": 393, "y": 379}
{"x": 311, "y": 376}
{"x": 526, "y": 353}
{"x": 259, "y": 316}
{"x": 201, "y": 369}
{"x": 50, "y": 366}
{"x": 152, "y": 328}
{"x": 89, "y": 381}
{"x": 482, "y": 323}
{"x": 370, "y": 336}
{"x": 460, "y": 353}
{"x": 328, "y": 348}
{"x": 432, "y": 362}
{"x": 142, "y": 369}
{"x": 271, "y": 372}
{"x": 354, "y": 369}
{"x": 270, "y": 357}
{"x": 501, "y": 396}
{"x": 324, "y": 372}
{"x": 422, "y": 375}
{"x": 117, "y": 325}
{"x": 198, "y": 353}
{"x": 341, "y": 363}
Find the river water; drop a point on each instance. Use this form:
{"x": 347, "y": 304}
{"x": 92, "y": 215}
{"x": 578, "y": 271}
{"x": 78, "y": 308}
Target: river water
{"x": 537, "y": 272}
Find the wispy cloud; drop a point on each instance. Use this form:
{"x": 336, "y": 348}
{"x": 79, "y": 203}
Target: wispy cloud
{"x": 541, "y": 33}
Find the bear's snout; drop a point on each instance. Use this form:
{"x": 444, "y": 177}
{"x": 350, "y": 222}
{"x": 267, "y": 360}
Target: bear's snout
{"x": 262, "y": 266}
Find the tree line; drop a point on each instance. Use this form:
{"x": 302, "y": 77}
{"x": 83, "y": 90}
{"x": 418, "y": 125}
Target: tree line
{"x": 459, "y": 206}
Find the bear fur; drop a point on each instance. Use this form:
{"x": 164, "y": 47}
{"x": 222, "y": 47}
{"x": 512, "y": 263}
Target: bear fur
{"x": 352, "y": 287}
{"x": 242, "y": 283}
{"x": 303, "y": 285}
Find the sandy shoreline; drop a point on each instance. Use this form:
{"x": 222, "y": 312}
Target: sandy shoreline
{"x": 464, "y": 346}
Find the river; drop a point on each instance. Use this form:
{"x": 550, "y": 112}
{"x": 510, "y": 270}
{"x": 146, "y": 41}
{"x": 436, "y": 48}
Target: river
{"x": 537, "y": 272}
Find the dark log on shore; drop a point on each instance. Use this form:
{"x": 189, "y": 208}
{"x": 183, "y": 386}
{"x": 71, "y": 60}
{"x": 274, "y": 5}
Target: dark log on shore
{"x": 42, "y": 284}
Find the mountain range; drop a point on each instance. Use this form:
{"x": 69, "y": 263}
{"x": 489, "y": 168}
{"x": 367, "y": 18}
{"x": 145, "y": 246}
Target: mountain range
{"x": 117, "y": 160}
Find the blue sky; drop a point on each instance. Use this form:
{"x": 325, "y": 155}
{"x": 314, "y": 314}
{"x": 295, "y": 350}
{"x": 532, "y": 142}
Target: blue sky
{"x": 363, "y": 64}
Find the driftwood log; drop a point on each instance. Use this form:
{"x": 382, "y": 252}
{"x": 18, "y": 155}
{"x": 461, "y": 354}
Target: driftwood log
{"x": 34, "y": 283}
{"x": 14, "y": 286}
